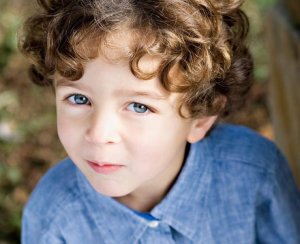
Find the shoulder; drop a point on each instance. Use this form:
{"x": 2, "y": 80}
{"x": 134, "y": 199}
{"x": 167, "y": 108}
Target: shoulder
{"x": 247, "y": 175}
{"x": 55, "y": 191}
{"x": 239, "y": 144}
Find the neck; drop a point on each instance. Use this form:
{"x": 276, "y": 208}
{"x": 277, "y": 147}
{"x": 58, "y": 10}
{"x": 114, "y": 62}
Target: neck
{"x": 144, "y": 199}
{"x": 140, "y": 202}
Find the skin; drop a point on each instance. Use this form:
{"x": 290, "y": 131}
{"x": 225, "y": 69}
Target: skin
{"x": 110, "y": 117}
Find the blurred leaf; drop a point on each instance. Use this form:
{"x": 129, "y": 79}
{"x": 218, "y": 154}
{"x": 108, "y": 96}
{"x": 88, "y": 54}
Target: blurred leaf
{"x": 10, "y": 175}
{"x": 8, "y": 98}
{"x": 9, "y": 24}
{"x": 263, "y": 4}
{"x": 14, "y": 175}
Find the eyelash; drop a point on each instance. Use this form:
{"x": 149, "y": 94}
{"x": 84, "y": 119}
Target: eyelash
{"x": 139, "y": 105}
{"x": 87, "y": 102}
{"x": 81, "y": 96}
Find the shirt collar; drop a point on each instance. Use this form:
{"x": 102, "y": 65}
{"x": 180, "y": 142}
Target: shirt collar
{"x": 108, "y": 215}
{"x": 184, "y": 206}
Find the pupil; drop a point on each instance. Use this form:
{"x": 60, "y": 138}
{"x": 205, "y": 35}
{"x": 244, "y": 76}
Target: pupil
{"x": 80, "y": 99}
{"x": 139, "y": 108}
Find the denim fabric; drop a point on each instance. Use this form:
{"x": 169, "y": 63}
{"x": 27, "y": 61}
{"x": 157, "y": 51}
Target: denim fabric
{"x": 235, "y": 187}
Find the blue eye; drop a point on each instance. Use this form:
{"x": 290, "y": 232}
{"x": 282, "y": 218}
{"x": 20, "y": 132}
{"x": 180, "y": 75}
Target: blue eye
{"x": 138, "y": 108}
{"x": 79, "y": 99}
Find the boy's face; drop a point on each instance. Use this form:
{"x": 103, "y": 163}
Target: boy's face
{"x": 124, "y": 134}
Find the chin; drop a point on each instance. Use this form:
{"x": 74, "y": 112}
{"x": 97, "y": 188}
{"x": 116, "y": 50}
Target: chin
{"x": 110, "y": 190}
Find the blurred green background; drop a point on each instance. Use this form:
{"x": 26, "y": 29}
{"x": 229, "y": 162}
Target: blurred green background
{"x": 28, "y": 139}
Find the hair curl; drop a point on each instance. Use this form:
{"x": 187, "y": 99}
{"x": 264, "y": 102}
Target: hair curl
{"x": 203, "y": 40}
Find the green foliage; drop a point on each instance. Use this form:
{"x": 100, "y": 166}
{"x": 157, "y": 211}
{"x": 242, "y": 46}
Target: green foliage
{"x": 264, "y": 4}
{"x": 10, "y": 210}
{"x": 9, "y": 23}
{"x": 256, "y": 10}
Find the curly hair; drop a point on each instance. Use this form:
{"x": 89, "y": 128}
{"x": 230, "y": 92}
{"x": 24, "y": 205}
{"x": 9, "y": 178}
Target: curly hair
{"x": 201, "y": 40}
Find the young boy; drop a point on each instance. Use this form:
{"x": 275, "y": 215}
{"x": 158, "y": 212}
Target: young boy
{"x": 139, "y": 86}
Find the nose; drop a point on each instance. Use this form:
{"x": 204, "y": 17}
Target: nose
{"x": 103, "y": 128}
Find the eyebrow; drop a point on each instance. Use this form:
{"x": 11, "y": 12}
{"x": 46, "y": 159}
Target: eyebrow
{"x": 133, "y": 93}
{"x": 65, "y": 82}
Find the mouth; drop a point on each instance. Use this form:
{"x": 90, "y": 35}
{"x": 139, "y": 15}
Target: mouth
{"x": 104, "y": 168}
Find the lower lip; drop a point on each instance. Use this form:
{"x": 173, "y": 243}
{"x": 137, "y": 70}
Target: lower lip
{"x": 105, "y": 168}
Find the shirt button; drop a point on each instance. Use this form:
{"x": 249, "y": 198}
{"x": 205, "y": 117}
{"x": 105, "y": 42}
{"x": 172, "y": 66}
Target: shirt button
{"x": 153, "y": 224}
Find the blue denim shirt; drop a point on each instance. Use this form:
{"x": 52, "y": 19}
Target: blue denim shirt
{"x": 235, "y": 187}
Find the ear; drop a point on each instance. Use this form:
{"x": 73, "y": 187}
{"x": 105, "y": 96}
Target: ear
{"x": 199, "y": 128}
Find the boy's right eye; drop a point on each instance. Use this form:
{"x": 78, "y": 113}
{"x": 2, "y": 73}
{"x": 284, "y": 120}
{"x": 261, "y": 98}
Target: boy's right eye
{"x": 78, "y": 99}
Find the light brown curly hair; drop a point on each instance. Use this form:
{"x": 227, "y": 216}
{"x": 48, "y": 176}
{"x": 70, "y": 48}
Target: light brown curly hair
{"x": 203, "y": 40}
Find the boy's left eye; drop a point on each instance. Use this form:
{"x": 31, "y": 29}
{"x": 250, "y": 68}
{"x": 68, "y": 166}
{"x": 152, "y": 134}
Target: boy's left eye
{"x": 79, "y": 99}
{"x": 138, "y": 108}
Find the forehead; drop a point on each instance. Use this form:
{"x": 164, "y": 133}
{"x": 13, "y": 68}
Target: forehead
{"x": 114, "y": 72}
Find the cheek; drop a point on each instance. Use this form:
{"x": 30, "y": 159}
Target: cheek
{"x": 161, "y": 143}
{"x": 66, "y": 131}
{"x": 155, "y": 143}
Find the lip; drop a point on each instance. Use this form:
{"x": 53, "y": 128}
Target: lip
{"x": 104, "y": 167}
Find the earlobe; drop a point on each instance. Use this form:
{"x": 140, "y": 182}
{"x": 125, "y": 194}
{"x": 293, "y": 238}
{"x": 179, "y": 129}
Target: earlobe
{"x": 200, "y": 127}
